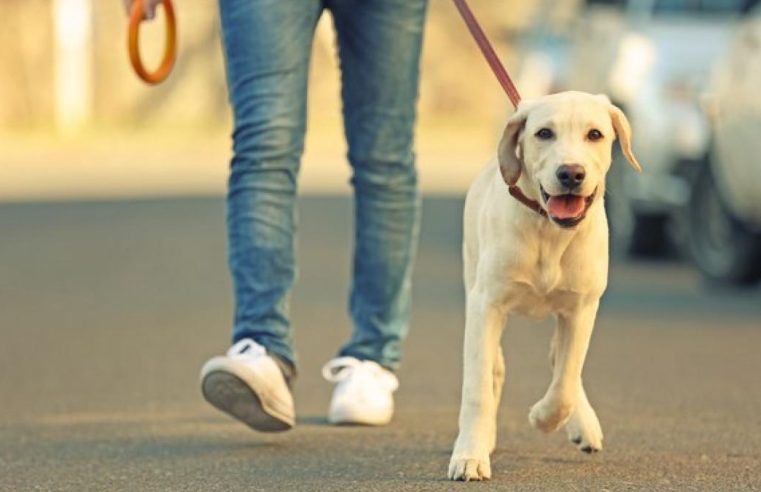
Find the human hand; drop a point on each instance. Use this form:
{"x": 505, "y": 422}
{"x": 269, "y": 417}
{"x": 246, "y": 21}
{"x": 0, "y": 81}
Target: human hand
{"x": 149, "y": 7}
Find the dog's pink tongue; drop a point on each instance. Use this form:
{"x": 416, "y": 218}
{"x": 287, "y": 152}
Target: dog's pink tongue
{"x": 565, "y": 206}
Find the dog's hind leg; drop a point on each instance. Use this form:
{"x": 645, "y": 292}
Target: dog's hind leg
{"x": 583, "y": 428}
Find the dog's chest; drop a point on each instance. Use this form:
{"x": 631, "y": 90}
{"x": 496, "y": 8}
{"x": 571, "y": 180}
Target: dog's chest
{"x": 541, "y": 285}
{"x": 539, "y": 297}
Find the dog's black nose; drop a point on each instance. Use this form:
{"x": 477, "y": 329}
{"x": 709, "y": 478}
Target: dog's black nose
{"x": 570, "y": 175}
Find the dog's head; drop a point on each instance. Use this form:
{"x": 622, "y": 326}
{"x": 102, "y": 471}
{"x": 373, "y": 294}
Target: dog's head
{"x": 562, "y": 145}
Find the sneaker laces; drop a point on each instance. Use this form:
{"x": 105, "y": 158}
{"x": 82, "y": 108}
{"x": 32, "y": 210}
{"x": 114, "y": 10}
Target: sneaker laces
{"x": 342, "y": 368}
{"x": 246, "y": 348}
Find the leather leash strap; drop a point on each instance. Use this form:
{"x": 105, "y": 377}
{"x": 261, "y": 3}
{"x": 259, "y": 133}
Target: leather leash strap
{"x": 486, "y": 48}
{"x": 504, "y": 80}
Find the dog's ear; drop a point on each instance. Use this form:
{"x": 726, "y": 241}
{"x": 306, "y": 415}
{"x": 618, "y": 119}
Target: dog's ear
{"x": 510, "y": 163}
{"x": 624, "y": 134}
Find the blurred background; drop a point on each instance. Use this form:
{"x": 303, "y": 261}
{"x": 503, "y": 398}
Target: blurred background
{"x": 114, "y": 286}
{"x": 75, "y": 123}
{"x": 685, "y": 72}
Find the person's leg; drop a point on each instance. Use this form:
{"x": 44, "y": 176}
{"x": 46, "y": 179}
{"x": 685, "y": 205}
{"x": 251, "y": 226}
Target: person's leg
{"x": 267, "y": 46}
{"x": 379, "y": 47}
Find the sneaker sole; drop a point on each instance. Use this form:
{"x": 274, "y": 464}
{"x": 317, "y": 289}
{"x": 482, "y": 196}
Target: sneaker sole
{"x": 230, "y": 394}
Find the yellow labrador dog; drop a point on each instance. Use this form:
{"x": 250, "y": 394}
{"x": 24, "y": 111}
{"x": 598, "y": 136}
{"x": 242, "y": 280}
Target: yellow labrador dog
{"x": 542, "y": 251}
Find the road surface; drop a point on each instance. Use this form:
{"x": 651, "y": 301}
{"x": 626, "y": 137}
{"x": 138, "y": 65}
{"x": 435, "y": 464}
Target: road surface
{"x": 108, "y": 310}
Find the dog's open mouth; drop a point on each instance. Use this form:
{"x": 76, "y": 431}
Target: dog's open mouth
{"x": 569, "y": 209}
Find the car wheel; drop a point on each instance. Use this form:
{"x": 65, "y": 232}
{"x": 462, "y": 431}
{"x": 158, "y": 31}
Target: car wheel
{"x": 633, "y": 233}
{"x": 722, "y": 248}
{"x": 650, "y": 238}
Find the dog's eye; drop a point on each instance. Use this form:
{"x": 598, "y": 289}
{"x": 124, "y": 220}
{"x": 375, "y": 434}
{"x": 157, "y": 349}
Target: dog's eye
{"x": 594, "y": 135}
{"x": 545, "y": 134}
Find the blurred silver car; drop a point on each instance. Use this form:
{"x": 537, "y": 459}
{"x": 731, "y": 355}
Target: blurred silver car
{"x": 722, "y": 216}
{"x": 655, "y": 59}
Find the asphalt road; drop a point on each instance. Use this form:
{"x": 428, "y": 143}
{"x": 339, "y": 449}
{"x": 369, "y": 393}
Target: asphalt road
{"x": 108, "y": 310}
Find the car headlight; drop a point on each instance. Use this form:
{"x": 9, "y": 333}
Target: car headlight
{"x": 636, "y": 56}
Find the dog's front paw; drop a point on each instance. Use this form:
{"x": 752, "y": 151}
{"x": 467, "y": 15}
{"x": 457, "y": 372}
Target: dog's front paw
{"x": 469, "y": 469}
{"x": 584, "y": 429}
{"x": 548, "y": 415}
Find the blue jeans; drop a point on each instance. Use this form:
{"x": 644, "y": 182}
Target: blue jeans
{"x": 267, "y": 47}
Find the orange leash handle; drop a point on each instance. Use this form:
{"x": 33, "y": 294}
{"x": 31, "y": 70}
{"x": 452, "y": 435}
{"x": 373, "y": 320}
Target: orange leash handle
{"x": 170, "y": 51}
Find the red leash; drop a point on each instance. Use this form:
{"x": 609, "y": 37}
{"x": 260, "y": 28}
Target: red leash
{"x": 486, "y": 48}
{"x": 504, "y": 80}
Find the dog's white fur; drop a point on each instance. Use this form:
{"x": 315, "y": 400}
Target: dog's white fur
{"x": 517, "y": 261}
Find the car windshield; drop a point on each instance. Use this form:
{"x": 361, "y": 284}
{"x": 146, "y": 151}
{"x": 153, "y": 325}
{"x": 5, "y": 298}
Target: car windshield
{"x": 702, "y": 6}
{"x": 682, "y": 6}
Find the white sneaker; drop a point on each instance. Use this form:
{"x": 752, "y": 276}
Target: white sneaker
{"x": 364, "y": 392}
{"x": 249, "y": 385}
